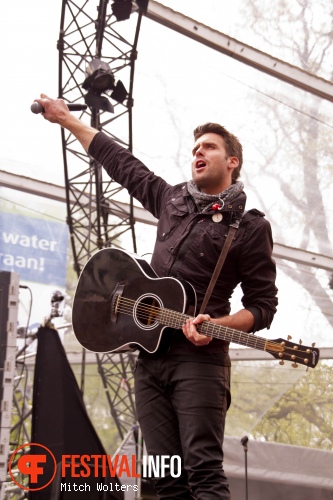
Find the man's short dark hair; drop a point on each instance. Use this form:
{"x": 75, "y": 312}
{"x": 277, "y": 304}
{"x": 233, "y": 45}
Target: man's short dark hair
{"x": 232, "y": 145}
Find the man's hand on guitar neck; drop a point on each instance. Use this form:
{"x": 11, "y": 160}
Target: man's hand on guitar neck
{"x": 242, "y": 320}
{"x": 191, "y": 332}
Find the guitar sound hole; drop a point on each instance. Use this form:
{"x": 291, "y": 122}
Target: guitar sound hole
{"x": 146, "y": 311}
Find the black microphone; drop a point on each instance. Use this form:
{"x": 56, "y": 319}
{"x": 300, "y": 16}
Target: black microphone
{"x": 244, "y": 440}
{"x": 38, "y": 108}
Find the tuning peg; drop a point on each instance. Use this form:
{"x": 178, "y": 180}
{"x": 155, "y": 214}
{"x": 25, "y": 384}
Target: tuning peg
{"x": 294, "y": 365}
{"x": 289, "y": 337}
{"x": 281, "y": 362}
{"x": 313, "y": 344}
{"x": 300, "y": 342}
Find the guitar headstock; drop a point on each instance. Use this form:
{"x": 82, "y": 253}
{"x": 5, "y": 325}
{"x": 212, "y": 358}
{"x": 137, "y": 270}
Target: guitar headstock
{"x": 284, "y": 350}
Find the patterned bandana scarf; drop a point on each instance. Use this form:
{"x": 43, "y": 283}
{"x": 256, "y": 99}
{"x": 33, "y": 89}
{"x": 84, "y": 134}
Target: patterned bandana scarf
{"x": 205, "y": 202}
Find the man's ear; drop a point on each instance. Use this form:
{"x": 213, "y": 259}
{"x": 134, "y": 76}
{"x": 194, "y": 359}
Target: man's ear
{"x": 233, "y": 162}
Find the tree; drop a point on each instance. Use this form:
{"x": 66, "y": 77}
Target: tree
{"x": 303, "y": 416}
{"x": 293, "y": 140}
{"x": 292, "y": 145}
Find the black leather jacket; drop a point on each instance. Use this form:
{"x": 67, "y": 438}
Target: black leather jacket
{"x": 189, "y": 243}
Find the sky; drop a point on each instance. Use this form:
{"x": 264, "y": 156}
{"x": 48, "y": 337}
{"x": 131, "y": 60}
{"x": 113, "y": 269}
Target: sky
{"x": 28, "y": 33}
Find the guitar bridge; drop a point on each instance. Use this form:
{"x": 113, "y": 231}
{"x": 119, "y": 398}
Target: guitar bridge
{"x": 115, "y": 303}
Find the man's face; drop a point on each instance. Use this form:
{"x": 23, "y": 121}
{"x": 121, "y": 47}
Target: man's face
{"x": 211, "y": 166}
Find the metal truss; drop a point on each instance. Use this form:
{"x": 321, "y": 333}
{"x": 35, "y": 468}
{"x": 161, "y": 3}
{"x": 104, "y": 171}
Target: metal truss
{"x": 238, "y": 50}
{"x": 117, "y": 373}
{"x": 99, "y": 211}
{"x": 20, "y": 431}
{"x": 89, "y": 30}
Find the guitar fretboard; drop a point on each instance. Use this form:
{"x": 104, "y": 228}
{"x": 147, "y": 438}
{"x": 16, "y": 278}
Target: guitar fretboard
{"x": 176, "y": 320}
{"x": 150, "y": 314}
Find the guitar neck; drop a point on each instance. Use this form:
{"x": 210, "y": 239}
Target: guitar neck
{"x": 279, "y": 348}
{"x": 177, "y": 320}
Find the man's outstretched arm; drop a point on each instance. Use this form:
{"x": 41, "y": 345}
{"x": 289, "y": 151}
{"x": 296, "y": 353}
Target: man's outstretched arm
{"x": 56, "y": 111}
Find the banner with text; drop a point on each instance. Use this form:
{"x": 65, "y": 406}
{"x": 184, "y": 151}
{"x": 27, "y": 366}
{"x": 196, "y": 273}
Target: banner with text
{"x": 34, "y": 248}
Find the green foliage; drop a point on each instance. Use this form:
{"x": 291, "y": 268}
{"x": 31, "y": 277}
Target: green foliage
{"x": 282, "y": 404}
{"x": 304, "y": 414}
{"x": 255, "y": 387}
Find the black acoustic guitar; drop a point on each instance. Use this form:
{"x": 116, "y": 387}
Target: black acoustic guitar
{"x": 120, "y": 304}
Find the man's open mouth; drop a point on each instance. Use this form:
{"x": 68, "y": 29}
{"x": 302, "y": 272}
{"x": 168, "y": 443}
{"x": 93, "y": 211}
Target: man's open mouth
{"x": 200, "y": 164}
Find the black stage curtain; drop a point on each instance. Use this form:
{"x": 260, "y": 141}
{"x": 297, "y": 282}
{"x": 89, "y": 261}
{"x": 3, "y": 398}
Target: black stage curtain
{"x": 60, "y": 421}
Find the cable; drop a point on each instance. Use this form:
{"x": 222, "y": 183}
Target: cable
{"x": 276, "y": 99}
{"x": 32, "y": 210}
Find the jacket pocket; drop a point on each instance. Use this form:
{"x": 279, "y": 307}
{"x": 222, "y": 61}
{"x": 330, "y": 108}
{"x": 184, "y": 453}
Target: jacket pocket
{"x": 217, "y": 231}
{"x": 170, "y": 220}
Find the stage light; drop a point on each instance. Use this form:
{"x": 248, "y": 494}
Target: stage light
{"x": 143, "y": 5}
{"x": 98, "y": 102}
{"x": 119, "y": 93}
{"x": 100, "y": 79}
{"x": 122, "y": 9}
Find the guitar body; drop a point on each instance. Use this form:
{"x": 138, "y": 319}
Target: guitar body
{"x": 117, "y": 300}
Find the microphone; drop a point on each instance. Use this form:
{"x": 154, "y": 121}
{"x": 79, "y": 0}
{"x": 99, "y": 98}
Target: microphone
{"x": 244, "y": 440}
{"x": 38, "y": 108}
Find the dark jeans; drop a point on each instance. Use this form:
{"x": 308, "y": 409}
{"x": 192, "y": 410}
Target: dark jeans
{"x": 181, "y": 409}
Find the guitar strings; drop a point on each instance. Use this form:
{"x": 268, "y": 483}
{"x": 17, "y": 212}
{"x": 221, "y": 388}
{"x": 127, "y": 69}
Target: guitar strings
{"x": 176, "y": 320}
{"x": 150, "y": 314}
{"x": 147, "y": 311}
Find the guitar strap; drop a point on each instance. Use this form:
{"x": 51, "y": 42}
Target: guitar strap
{"x": 230, "y": 236}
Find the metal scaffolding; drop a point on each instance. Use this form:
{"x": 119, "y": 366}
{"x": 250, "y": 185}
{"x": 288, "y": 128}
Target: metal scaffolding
{"x": 98, "y": 216}
{"x": 95, "y": 220}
